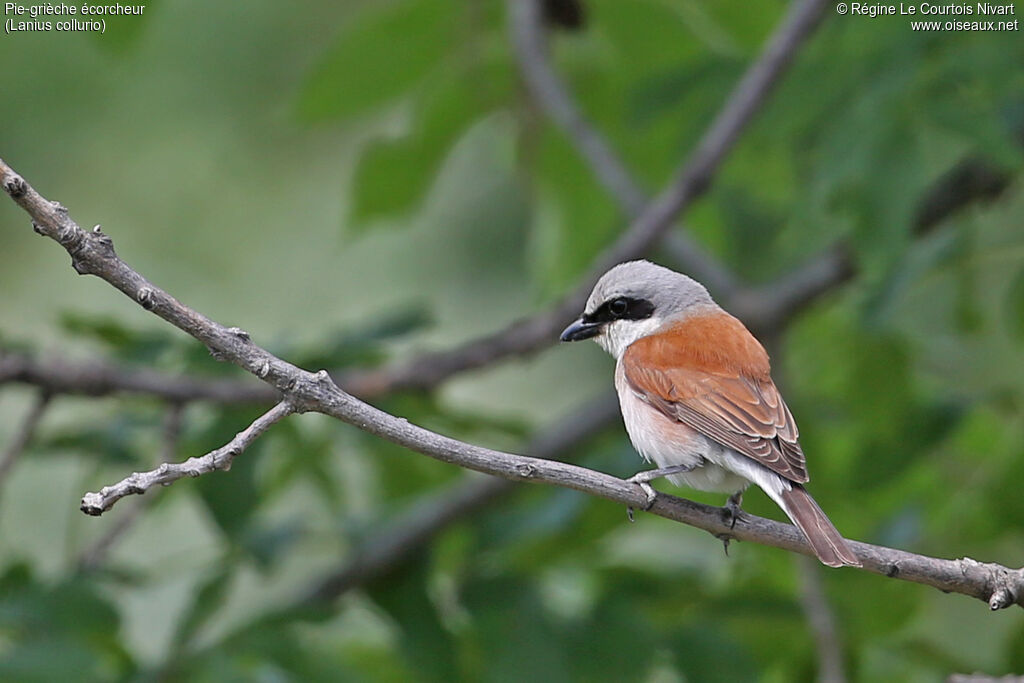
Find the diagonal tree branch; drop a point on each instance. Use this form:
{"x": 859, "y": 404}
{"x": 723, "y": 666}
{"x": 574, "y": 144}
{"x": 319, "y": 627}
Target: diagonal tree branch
{"x": 747, "y": 97}
{"x": 101, "y": 378}
{"x": 693, "y": 179}
{"x": 552, "y": 94}
{"x": 971, "y": 181}
{"x": 93, "y": 253}
{"x": 764, "y": 308}
{"x": 167, "y": 473}
{"x": 418, "y": 526}
{"x": 529, "y": 38}
{"x": 524, "y": 336}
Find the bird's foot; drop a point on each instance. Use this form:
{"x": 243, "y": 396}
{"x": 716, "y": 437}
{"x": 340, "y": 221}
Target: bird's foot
{"x": 725, "y": 539}
{"x": 732, "y": 510}
{"x": 643, "y": 479}
{"x": 649, "y": 492}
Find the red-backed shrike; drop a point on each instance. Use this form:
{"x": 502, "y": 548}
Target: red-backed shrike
{"x": 697, "y": 396}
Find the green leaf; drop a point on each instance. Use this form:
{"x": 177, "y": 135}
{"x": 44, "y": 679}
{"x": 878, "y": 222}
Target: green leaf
{"x": 209, "y": 597}
{"x": 424, "y": 640}
{"x": 394, "y": 174}
{"x": 386, "y": 51}
{"x": 143, "y": 347}
{"x": 362, "y": 346}
{"x": 706, "y": 653}
{"x": 266, "y": 544}
{"x": 509, "y": 621}
{"x": 625, "y": 652}
{"x": 303, "y": 454}
{"x": 63, "y": 631}
{"x": 573, "y": 221}
{"x": 1015, "y": 648}
{"x": 231, "y": 497}
{"x": 121, "y": 440}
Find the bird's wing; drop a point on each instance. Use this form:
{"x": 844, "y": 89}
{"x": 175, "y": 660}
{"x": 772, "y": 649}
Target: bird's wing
{"x": 714, "y": 378}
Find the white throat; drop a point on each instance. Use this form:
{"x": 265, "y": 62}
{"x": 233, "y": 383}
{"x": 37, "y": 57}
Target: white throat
{"x": 616, "y": 336}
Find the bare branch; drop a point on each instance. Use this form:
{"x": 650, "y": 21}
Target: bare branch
{"x": 694, "y": 178}
{"x": 523, "y": 336}
{"x": 528, "y": 37}
{"x": 168, "y": 473}
{"x": 24, "y": 435}
{"x": 95, "y": 554}
{"x": 997, "y": 585}
{"x": 771, "y": 306}
{"x": 970, "y": 181}
{"x": 821, "y": 621}
{"x": 100, "y": 378}
{"x": 530, "y": 334}
{"x": 764, "y": 308}
{"x": 552, "y": 94}
{"x": 93, "y": 253}
{"x": 768, "y": 308}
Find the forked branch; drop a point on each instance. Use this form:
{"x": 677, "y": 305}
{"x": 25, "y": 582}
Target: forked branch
{"x": 93, "y": 253}
{"x": 167, "y": 473}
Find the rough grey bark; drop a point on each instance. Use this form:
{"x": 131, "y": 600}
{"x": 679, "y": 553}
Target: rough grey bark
{"x": 93, "y": 253}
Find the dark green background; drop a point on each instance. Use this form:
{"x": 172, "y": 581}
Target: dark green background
{"x": 353, "y": 182}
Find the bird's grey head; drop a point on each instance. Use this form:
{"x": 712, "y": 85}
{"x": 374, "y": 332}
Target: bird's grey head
{"x": 633, "y": 300}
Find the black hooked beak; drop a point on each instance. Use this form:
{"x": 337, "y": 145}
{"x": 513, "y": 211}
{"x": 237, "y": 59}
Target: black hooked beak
{"x": 580, "y": 330}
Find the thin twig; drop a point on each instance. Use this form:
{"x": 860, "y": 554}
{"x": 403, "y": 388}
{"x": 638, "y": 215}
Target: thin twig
{"x": 93, "y": 253}
{"x": 168, "y": 473}
{"x": 821, "y": 621}
{"x": 95, "y": 554}
{"x": 101, "y": 378}
{"x": 24, "y": 435}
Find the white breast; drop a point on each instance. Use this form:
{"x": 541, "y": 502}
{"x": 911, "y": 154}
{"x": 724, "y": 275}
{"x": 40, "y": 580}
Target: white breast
{"x": 666, "y": 443}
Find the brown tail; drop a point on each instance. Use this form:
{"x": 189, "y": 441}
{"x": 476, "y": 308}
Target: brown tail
{"x": 825, "y": 540}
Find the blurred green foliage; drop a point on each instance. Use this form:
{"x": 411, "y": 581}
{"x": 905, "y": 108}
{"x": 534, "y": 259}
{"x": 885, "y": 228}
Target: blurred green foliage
{"x": 416, "y": 196}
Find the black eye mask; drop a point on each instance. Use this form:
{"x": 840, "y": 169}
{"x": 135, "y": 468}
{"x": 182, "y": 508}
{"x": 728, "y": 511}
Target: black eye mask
{"x": 620, "y": 308}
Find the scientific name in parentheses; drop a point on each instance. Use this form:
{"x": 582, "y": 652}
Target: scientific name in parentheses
{"x": 12, "y": 26}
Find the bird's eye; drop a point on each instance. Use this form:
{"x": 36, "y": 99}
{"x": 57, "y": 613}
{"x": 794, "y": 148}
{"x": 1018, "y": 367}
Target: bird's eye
{"x": 618, "y": 307}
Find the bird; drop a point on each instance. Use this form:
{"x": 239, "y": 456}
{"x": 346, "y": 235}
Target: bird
{"x": 697, "y": 397}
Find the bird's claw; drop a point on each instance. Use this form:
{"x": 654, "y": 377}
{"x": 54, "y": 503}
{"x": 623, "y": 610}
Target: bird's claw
{"x": 641, "y": 480}
{"x": 732, "y": 511}
{"x": 649, "y": 492}
{"x": 725, "y": 539}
